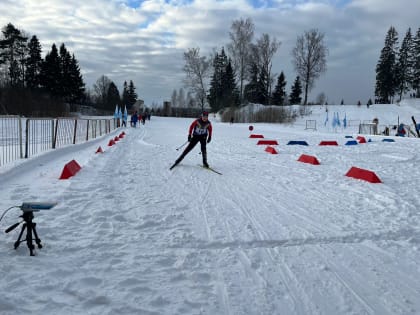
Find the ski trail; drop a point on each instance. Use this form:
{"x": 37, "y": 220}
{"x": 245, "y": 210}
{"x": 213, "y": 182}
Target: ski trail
{"x": 220, "y": 280}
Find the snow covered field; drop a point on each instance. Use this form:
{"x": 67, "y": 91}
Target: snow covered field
{"x": 270, "y": 236}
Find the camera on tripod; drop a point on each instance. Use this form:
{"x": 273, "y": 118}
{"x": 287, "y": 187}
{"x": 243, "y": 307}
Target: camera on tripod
{"x": 28, "y": 209}
{"x": 36, "y": 206}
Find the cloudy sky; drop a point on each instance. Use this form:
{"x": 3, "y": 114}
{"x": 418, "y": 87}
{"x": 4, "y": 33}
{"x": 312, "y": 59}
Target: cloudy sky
{"x": 144, "y": 41}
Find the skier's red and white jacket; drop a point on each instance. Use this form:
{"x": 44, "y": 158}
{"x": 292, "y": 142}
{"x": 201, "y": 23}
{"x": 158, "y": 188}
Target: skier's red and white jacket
{"x": 201, "y": 128}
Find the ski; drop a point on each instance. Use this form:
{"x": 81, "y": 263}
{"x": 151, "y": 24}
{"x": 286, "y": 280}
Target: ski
{"x": 415, "y": 126}
{"x": 207, "y": 168}
{"x": 211, "y": 169}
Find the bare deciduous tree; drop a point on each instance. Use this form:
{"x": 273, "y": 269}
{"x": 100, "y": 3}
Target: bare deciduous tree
{"x": 309, "y": 58}
{"x": 262, "y": 55}
{"x": 197, "y": 70}
{"x": 101, "y": 90}
{"x": 241, "y": 34}
{"x": 180, "y": 100}
{"x": 174, "y": 98}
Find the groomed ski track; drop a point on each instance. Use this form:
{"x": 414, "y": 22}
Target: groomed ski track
{"x": 292, "y": 239}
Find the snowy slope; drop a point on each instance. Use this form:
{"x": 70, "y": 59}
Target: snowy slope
{"x": 270, "y": 236}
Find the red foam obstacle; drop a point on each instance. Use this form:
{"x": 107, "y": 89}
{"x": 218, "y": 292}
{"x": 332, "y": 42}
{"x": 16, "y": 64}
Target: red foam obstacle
{"x": 251, "y": 128}
{"x": 270, "y": 150}
{"x": 361, "y": 139}
{"x": 70, "y": 169}
{"x": 267, "y": 142}
{"x": 99, "y": 150}
{"x": 309, "y": 159}
{"x": 256, "y": 136}
{"x": 116, "y": 139}
{"x": 121, "y": 136}
{"x": 111, "y": 143}
{"x": 362, "y": 174}
{"x": 328, "y": 143}
{"x": 123, "y": 133}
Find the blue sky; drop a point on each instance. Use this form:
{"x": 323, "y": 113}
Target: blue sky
{"x": 144, "y": 41}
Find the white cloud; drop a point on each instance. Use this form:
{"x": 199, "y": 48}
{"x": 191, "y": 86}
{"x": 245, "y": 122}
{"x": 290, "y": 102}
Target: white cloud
{"x": 144, "y": 42}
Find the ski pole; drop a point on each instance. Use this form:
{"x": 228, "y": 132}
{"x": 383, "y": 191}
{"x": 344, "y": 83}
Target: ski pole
{"x": 182, "y": 145}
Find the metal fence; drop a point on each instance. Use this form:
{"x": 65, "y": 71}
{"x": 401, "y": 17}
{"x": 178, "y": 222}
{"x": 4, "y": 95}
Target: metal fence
{"x": 25, "y": 137}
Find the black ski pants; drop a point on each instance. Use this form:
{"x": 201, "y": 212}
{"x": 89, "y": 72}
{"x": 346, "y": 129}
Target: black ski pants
{"x": 192, "y": 144}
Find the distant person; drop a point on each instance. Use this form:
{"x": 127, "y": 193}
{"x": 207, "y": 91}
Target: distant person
{"x": 401, "y": 131}
{"x": 375, "y": 123}
{"x": 200, "y": 131}
{"x": 134, "y": 119}
{"x": 231, "y": 120}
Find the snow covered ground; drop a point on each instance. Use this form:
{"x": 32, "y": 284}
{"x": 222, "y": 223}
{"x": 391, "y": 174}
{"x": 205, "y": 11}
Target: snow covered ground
{"x": 272, "y": 235}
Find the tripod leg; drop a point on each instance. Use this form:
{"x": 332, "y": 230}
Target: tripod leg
{"x": 29, "y": 239}
{"x": 16, "y": 245}
{"x": 37, "y": 239}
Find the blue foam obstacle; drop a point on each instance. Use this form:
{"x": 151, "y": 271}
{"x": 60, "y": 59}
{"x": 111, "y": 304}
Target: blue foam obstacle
{"x": 297, "y": 143}
{"x": 351, "y": 142}
{"x": 388, "y": 140}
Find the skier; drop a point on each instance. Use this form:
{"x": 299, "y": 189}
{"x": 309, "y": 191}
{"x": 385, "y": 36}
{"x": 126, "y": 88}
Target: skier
{"x": 200, "y": 131}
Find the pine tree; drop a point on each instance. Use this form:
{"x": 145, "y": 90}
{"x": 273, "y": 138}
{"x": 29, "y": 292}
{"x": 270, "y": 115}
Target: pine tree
{"x": 230, "y": 91}
{"x": 262, "y": 88}
{"x": 51, "y": 73}
{"x": 295, "y": 95}
{"x": 215, "y": 97}
{"x": 223, "y": 89}
{"x": 64, "y": 83}
{"x": 125, "y": 98}
{"x": 415, "y": 81}
{"x": 113, "y": 97}
{"x": 132, "y": 95}
{"x": 13, "y": 51}
{"x": 385, "y": 69}
{"x": 77, "y": 86}
{"x": 279, "y": 94}
{"x": 251, "y": 89}
{"x": 404, "y": 64}
{"x": 33, "y": 63}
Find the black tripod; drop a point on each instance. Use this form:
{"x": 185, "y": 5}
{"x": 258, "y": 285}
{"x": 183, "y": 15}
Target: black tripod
{"x": 30, "y": 227}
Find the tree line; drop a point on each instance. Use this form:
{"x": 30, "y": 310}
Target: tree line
{"x": 32, "y": 85}
{"x": 243, "y": 73}
{"x": 107, "y": 95}
{"x": 398, "y": 67}
{"x": 36, "y": 86}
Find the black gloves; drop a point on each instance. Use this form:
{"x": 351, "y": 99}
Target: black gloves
{"x": 189, "y": 138}
{"x": 208, "y": 139}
